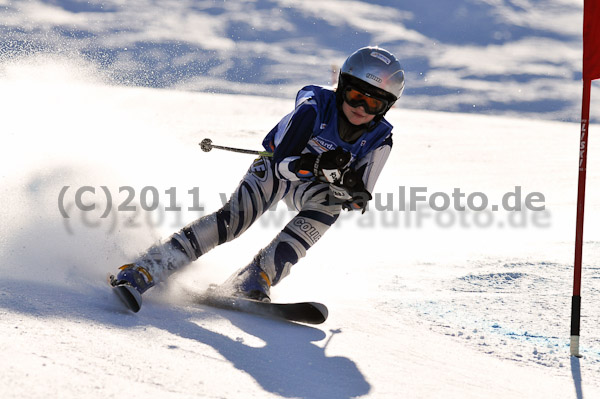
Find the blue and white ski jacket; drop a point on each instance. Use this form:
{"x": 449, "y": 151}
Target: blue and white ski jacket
{"x": 313, "y": 127}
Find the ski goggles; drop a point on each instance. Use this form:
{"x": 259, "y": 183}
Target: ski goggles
{"x": 372, "y": 105}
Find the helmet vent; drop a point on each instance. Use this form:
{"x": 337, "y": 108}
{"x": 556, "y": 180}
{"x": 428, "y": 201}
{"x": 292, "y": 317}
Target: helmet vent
{"x": 375, "y": 78}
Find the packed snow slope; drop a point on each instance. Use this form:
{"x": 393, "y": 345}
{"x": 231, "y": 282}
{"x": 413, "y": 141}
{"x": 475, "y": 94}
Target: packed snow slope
{"x": 423, "y": 303}
{"x": 479, "y": 56}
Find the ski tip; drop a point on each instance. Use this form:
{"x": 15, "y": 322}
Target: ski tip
{"x": 322, "y": 309}
{"x": 322, "y": 312}
{"x": 127, "y": 294}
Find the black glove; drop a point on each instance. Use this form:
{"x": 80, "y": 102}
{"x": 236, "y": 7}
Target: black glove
{"x": 327, "y": 166}
{"x": 351, "y": 191}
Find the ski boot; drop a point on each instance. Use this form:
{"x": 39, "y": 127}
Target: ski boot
{"x": 129, "y": 285}
{"x": 251, "y": 282}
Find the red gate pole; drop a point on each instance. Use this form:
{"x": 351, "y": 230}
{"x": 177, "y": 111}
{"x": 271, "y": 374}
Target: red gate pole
{"x": 583, "y": 146}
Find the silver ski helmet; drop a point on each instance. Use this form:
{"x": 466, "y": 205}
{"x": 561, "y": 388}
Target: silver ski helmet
{"x": 375, "y": 71}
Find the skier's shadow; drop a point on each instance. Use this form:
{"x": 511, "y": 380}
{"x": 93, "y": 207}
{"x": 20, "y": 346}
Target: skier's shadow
{"x": 289, "y": 364}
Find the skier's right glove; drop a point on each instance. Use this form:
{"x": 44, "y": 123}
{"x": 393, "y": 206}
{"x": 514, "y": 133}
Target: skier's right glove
{"x": 326, "y": 167}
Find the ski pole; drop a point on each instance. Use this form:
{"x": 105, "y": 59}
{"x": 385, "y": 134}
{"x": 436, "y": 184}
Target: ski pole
{"x": 206, "y": 145}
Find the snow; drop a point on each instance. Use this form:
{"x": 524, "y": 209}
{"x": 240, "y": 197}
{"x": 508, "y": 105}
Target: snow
{"x": 422, "y": 304}
{"x": 476, "y": 56}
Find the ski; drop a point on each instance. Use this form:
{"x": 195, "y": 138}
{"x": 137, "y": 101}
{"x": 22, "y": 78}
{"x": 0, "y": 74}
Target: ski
{"x": 130, "y": 297}
{"x": 300, "y": 312}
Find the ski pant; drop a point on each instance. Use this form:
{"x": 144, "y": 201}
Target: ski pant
{"x": 258, "y": 191}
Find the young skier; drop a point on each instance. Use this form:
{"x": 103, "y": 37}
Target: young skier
{"x": 327, "y": 154}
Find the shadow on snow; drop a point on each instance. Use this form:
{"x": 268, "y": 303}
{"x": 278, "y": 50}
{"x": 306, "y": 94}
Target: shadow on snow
{"x": 290, "y": 364}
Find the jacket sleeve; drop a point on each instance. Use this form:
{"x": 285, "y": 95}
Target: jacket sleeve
{"x": 370, "y": 167}
{"x": 290, "y": 139}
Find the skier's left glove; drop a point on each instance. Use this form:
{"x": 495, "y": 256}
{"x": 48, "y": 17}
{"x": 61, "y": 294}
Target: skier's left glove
{"x": 326, "y": 167}
{"x": 350, "y": 191}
